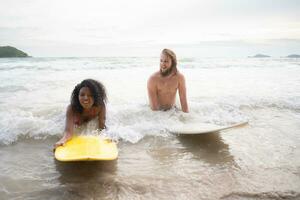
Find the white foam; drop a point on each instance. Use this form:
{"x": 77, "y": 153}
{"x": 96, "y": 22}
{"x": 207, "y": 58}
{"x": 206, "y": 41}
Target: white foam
{"x": 33, "y": 101}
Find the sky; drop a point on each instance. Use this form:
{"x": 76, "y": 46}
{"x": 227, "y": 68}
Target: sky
{"x": 222, "y": 28}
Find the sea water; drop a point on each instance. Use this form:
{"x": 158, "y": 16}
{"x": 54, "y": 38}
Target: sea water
{"x": 258, "y": 161}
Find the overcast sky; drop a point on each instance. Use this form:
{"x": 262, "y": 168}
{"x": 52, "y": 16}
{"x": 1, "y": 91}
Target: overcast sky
{"x": 142, "y": 27}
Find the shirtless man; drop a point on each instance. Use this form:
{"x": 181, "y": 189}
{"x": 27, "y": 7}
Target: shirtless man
{"x": 163, "y": 84}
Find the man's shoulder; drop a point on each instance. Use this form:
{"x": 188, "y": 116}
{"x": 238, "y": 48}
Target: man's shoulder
{"x": 179, "y": 75}
{"x": 154, "y": 76}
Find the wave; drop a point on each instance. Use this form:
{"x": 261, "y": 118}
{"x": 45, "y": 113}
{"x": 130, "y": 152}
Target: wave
{"x": 66, "y": 64}
{"x": 77, "y": 63}
{"x": 263, "y": 195}
{"x": 243, "y": 102}
{"x": 132, "y": 122}
{"x": 12, "y": 88}
{"x": 129, "y": 122}
{"x": 18, "y": 124}
{"x": 18, "y": 67}
{"x": 288, "y": 103}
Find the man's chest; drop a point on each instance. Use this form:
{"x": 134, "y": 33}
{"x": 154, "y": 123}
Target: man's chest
{"x": 167, "y": 85}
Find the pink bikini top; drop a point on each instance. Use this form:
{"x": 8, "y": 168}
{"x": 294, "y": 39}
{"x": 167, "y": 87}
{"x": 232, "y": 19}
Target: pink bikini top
{"x": 78, "y": 120}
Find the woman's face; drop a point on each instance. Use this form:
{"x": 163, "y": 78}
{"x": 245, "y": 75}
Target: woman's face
{"x": 86, "y": 98}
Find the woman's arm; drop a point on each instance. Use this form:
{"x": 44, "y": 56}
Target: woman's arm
{"x": 102, "y": 117}
{"x": 68, "y": 133}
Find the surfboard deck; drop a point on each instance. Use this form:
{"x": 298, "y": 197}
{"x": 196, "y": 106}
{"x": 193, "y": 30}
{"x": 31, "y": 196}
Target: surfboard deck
{"x": 87, "y": 148}
{"x": 201, "y": 128}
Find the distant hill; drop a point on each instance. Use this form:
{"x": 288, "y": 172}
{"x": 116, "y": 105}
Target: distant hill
{"x": 260, "y": 56}
{"x": 293, "y": 56}
{"x": 9, "y": 52}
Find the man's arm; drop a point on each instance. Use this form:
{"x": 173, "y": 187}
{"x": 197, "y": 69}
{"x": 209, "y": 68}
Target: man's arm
{"x": 152, "y": 94}
{"x": 182, "y": 94}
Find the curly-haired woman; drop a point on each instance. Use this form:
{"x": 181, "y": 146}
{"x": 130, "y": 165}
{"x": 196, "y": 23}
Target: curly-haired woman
{"x": 87, "y": 102}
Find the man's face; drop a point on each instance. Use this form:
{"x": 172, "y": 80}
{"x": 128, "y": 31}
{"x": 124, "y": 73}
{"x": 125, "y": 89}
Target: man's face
{"x": 165, "y": 65}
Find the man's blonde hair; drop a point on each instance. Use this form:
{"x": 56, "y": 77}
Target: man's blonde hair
{"x": 171, "y": 55}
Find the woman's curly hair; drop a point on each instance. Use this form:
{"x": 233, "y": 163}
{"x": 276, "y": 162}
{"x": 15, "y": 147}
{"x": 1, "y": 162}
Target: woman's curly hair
{"x": 97, "y": 90}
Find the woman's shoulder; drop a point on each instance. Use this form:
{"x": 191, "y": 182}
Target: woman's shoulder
{"x": 70, "y": 109}
{"x": 98, "y": 109}
{"x": 71, "y": 112}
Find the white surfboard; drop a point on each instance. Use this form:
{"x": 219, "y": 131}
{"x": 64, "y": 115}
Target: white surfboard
{"x": 201, "y": 128}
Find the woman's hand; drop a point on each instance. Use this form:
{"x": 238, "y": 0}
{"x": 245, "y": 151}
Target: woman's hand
{"x": 61, "y": 142}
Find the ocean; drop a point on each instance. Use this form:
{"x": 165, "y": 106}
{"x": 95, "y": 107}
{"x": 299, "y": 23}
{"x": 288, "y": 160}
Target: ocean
{"x": 257, "y": 161}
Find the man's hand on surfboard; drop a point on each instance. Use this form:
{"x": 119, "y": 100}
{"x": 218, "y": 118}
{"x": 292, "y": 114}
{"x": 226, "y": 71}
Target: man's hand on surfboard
{"x": 184, "y": 117}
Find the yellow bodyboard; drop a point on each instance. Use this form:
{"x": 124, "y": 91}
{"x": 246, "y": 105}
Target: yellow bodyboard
{"x": 87, "y": 148}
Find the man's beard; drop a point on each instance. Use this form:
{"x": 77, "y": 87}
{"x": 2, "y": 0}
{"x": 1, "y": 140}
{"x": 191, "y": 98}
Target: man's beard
{"x": 167, "y": 72}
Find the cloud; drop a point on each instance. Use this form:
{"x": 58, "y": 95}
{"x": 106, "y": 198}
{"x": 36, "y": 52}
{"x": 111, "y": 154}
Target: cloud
{"x": 41, "y": 23}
